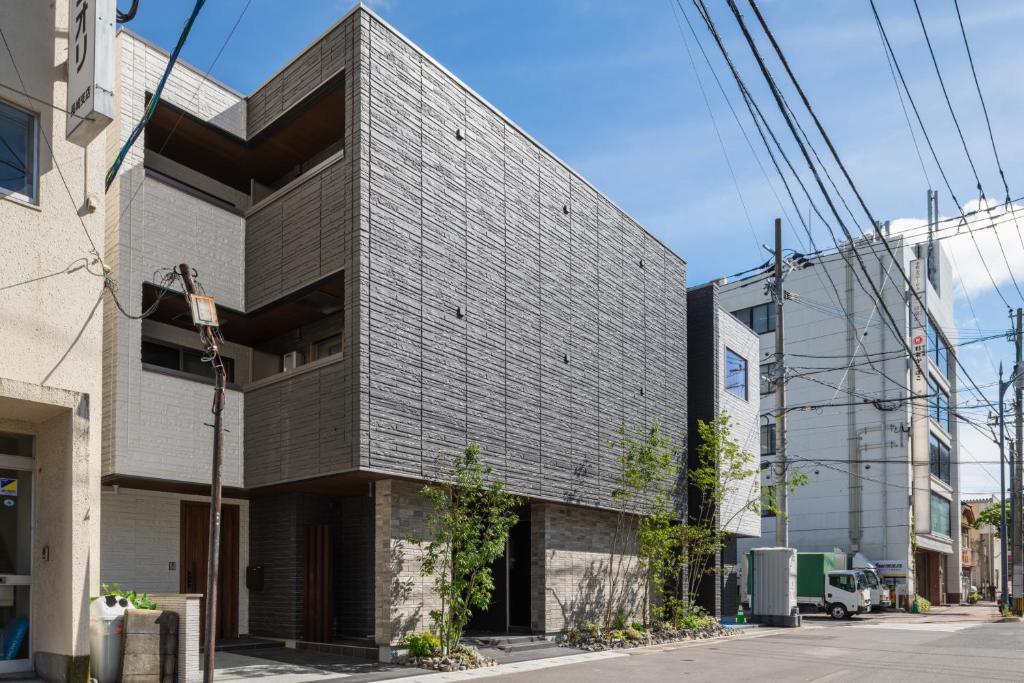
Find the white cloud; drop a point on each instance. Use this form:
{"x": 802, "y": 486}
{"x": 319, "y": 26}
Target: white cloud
{"x": 983, "y": 260}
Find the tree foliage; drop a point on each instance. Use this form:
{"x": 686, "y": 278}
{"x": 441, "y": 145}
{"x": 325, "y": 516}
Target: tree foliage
{"x": 468, "y": 529}
{"x": 990, "y": 515}
{"x": 724, "y": 481}
{"x": 648, "y": 480}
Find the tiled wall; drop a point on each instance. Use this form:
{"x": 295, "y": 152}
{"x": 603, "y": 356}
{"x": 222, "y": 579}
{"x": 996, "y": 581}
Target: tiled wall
{"x": 141, "y": 536}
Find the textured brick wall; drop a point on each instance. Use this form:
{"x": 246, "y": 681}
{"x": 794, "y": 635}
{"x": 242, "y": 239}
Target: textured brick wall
{"x": 506, "y": 301}
{"x": 152, "y": 225}
{"x": 353, "y": 562}
{"x": 403, "y": 597}
{"x": 310, "y": 426}
{"x": 277, "y": 543}
{"x": 581, "y": 560}
{"x": 141, "y": 536}
{"x": 745, "y": 424}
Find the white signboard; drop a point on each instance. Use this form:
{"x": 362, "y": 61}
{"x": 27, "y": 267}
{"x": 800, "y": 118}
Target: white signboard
{"x": 919, "y": 406}
{"x": 891, "y": 569}
{"x": 90, "y": 102}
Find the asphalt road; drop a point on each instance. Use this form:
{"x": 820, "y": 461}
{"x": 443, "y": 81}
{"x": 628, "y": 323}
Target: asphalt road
{"x": 821, "y": 651}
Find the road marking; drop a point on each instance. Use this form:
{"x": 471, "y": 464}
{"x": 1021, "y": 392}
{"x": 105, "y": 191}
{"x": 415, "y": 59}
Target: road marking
{"x": 513, "y": 668}
{"x": 937, "y": 627}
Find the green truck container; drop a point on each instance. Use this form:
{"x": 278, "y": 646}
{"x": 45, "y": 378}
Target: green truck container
{"x": 811, "y": 567}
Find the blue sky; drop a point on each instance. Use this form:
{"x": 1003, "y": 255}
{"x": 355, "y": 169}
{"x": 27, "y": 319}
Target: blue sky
{"x": 609, "y": 88}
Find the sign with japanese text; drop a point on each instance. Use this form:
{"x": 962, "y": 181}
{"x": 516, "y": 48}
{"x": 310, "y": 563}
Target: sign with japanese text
{"x": 90, "y": 97}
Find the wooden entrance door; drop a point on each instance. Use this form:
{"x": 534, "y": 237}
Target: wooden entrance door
{"x": 195, "y": 543}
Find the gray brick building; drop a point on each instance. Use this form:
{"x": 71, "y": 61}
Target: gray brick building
{"x": 724, "y": 360}
{"x": 401, "y": 270}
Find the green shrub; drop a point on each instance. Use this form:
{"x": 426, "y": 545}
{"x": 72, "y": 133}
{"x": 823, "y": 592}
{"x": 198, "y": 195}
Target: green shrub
{"x": 423, "y": 644}
{"x": 616, "y": 634}
{"x": 974, "y": 597}
{"x": 692, "y": 622}
{"x": 621, "y": 620}
{"x": 632, "y": 633}
{"x": 138, "y": 600}
{"x": 637, "y": 626}
{"x": 920, "y": 605}
{"x": 592, "y": 627}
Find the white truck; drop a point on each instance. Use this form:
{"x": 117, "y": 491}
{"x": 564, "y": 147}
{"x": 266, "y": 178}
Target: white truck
{"x": 880, "y": 595}
{"x": 823, "y": 584}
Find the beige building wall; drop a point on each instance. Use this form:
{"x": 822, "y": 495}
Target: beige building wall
{"x": 51, "y": 302}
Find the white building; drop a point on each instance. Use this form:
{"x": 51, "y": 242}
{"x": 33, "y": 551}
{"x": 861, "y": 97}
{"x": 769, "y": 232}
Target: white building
{"x": 850, "y": 425}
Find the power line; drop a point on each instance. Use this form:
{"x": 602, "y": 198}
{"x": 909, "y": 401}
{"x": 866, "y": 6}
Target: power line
{"x": 803, "y": 150}
{"x": 155, "y": 99}
{"x": 931, "y": 147}
{"x": 945, "y": 95}
{"x": 842, "y": 167}
{"x": 718, "y": 133}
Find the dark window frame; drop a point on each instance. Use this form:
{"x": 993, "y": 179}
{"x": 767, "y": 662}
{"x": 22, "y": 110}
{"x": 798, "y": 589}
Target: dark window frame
{"x": 759, "y": 318}
{"x": 938, "y": 349}
{"x": 767, "y": 372}
{"x": 948, "y": 516}
{"x": 314, "y": 348}
{"x": 32, "y": 124}
{"x": 768, "y": 439}
{"x": 730, "y": 358}
{"x": 183, "y": 351}
{"x": 938, "y": 458}
{"x": 938, "y": 404}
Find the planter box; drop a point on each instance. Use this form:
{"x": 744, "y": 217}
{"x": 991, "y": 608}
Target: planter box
{"x": 187, "y": 607}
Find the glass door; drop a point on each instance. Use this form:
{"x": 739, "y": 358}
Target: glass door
{"x": 15, "y": 563}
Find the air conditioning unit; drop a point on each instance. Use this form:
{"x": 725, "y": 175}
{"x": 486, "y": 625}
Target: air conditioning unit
{"x": 292, "y": 360}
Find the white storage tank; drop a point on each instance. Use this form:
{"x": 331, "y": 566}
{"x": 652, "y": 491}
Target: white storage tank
{"x": 773, "y": 588}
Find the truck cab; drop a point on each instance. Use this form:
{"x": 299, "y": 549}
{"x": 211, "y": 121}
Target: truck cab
{"x": 846, "y": 593}
{"x": 879, "y": 591}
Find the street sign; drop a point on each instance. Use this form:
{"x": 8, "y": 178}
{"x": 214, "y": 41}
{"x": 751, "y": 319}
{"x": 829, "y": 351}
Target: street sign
{"x": 90, "y": 94}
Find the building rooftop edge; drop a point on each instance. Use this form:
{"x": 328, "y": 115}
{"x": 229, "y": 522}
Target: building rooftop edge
{"x": 359, "y": 6}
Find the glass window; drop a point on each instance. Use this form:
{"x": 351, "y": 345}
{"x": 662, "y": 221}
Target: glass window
{"x": 938, "y": 351}
{"x": 938, "y": 404}
{"x": 184, "y": 360}
{"x": 735, "y": 374}
{"x": 327, "y": 347}
{"x": 940, "y": 515}
{"x": 938, "y": 458}
{"x": 768, "y": 377}
{"x": 768, "y": 439}
{"x": 843, "y": 582}
{"x": 160, "y": 355}
{"x": 18, "y": 163}
{"x": 768, "y": 500}
{"x": 760, "y": 318}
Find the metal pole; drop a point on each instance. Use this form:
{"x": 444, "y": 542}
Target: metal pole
{"x": 782, "y": 518}
{"x": 1018, "y": 560}
{"x": 213, "y": 559}
{"x": 1004, "y": 584}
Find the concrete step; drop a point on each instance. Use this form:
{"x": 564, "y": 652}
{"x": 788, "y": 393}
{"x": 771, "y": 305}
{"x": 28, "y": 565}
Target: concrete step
{"x": 245, "y": 643}
{"x": 526, "y": 646}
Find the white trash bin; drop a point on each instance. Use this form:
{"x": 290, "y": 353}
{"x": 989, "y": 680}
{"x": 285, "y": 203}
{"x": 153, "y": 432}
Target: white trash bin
{"x": 106, "y": 635}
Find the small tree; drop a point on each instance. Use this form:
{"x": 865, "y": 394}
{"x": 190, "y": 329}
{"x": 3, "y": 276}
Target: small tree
{"x": 468, "y": 528}
{"x": 990, "y": 515}
{"x": 725, "y": 474}
{"x": 645, "y": 495}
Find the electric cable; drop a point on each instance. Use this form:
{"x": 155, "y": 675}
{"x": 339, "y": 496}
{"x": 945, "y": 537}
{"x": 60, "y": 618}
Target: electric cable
{"x": 155, "y": 99}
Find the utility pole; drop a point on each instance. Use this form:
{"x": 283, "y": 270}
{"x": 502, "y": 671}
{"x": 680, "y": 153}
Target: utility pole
{"x": 1018, "y": 471}
{"x": 1003, "y": 538}
{"x": 204, "y": 315}
{"x": 782, "y": 518}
